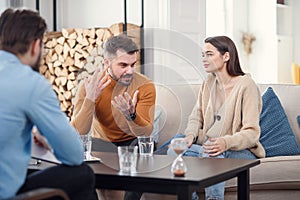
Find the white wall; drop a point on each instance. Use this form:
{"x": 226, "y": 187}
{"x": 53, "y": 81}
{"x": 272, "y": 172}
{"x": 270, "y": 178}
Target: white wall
{"x": 270, "y": 60}
{"x": 91, "y": 13}
{"x": 179, "y": 42}
{"x": 229, "y": 18}
{"x": 262, "y": 23}
{"x": 296, "y": 30}
{"x": 215, "y": 15}
{"x": 85, "y": 14}
{"x": 159, "y": 14}
{"x": 46, "y": 9}
{"x": 3, "y": 5}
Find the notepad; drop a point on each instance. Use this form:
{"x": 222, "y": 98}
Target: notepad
{"x": 42, "y": 153}
{"x": 46, "y": 154}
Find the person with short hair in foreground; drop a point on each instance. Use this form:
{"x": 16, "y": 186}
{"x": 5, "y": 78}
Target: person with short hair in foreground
{"x": 27, "y": 100}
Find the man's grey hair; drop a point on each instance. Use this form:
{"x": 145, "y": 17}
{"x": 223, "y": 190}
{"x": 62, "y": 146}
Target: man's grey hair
{"x": 120, "y": 42}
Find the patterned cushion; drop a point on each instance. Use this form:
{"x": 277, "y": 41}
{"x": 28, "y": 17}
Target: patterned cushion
{"x": 276, "y": 134}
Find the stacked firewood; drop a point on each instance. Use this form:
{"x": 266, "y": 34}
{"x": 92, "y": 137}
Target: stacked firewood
{"x": 73, "y": 54}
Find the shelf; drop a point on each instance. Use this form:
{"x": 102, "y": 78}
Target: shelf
{"x": 283, "y": 6}
{"x": 284, "y": 19}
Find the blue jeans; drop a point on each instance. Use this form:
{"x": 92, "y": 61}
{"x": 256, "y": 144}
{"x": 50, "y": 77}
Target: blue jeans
{"x": 215, "y": 191}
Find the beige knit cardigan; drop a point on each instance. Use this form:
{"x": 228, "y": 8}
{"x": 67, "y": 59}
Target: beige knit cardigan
{"x": 238, "y": 118}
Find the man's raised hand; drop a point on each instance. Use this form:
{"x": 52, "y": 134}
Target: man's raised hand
{"x": 95, "y": 84}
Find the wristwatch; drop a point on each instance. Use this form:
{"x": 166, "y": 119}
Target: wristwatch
{"x": 131, "y": 117}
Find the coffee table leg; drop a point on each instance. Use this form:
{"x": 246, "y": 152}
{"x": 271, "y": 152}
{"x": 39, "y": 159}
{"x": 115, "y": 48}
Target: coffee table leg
{"x": 185, "y": 193}
{"x": 243, "y": 185}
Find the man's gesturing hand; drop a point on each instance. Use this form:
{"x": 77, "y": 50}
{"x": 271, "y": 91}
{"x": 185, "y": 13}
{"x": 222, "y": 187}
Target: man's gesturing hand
{"x": 95, "y": 84}
{"x": 125, "y": 104}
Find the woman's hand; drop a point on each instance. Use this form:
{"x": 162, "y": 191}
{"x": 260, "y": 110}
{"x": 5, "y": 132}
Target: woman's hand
{"x": 189, "y": 140}
{"x": 214, "y": 146}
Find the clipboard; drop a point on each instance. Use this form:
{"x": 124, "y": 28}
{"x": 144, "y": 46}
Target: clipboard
{"x": 46, "y": 154}
{"x": 41, "y": 153}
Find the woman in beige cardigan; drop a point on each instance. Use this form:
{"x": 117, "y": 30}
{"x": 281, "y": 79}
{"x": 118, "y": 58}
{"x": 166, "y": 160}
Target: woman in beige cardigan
{"x": 225, "y": 120}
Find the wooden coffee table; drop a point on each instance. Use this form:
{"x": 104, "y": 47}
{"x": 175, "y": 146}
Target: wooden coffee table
{"x": 154, "y": 174}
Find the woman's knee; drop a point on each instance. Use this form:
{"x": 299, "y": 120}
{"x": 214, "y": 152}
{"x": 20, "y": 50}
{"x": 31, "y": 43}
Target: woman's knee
{"x": 243, "y": 154}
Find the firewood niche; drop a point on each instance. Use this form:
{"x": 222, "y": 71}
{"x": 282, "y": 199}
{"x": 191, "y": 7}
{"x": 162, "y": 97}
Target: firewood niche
{"x": 73, "y": 54}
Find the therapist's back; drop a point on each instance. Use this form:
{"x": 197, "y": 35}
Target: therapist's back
{"x": 27, "y": 99}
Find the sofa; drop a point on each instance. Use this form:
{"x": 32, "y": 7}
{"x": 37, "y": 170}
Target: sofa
{"x": 277, "y": 177}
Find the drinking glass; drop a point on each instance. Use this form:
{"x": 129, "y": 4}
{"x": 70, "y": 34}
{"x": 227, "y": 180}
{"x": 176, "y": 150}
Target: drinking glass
{"x": 127, "y": 158}
{"x": 87, "y": 145}
{"x": 146, "y": 145}
{"x": 178, "y": 167}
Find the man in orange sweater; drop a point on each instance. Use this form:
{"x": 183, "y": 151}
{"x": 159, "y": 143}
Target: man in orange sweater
{"x": 116, "y": 103}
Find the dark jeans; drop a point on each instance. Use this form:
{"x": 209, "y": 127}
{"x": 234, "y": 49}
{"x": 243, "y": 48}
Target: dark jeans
{"x": 104, "y": 146}
{"x": 162, "y": 150}
{"x": 132, "y": 195}
{"x": 77, "y": 181}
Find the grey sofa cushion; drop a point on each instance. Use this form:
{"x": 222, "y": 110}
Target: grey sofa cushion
{"x": 281, "y": 172}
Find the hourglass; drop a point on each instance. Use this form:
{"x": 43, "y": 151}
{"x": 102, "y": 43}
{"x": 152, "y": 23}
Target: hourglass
{"x": 178, "y": 167}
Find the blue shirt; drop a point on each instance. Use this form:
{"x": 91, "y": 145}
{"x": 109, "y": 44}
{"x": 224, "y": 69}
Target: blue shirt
{"x": 27, "y": 99}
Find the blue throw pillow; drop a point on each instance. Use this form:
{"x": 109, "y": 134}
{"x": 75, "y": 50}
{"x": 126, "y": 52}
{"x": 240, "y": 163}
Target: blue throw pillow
{"x": 277, "y": 136}
{"x": 298, "y": 118}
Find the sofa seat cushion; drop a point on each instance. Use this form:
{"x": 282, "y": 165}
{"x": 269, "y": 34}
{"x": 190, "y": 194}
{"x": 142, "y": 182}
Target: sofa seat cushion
{"x": 176, "y": 103}
{"x": 277, "y": 136}
{"x": 267, "y": 195}
{"x": 278, "y": 172}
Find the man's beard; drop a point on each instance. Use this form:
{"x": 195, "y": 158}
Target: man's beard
{"x": 121, "y": 79}
{"x": 36, "y": 66}
{"x": 125, "y": 79}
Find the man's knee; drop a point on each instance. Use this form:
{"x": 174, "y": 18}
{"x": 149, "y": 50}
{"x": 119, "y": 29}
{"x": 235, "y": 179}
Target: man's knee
{"x": 87, "y": 174}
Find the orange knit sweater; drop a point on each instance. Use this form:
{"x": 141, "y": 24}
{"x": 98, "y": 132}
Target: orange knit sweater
{"x": 109, "y": 124}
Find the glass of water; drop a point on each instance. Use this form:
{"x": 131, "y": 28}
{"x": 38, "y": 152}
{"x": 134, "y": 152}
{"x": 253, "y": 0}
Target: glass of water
{"x": 146, "y": 145}
{"x": 127, "y": 158}
{"x": 87, "y": 145}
